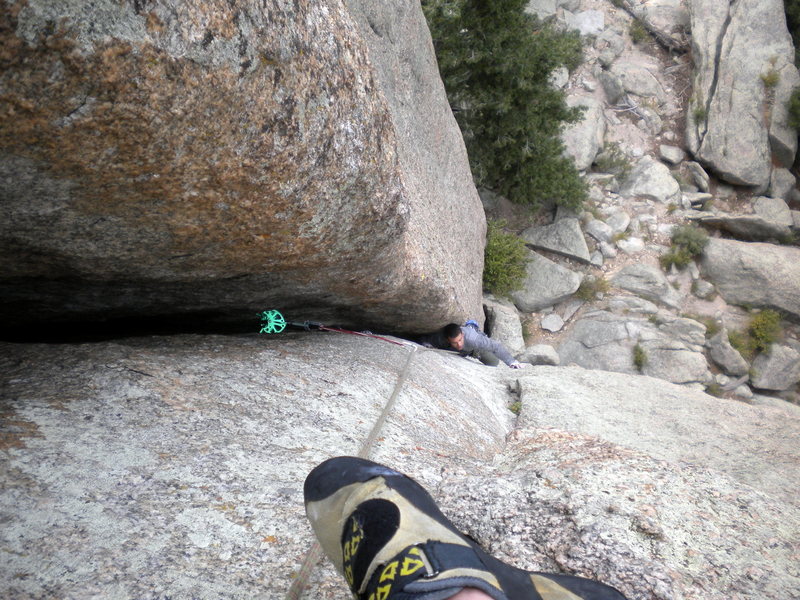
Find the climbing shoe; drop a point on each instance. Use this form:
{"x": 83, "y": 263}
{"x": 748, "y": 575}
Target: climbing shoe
{"x": 388, "y": 538}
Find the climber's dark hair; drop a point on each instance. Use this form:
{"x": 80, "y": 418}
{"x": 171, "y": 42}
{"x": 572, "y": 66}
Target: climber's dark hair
{"x": 451, "y": 331}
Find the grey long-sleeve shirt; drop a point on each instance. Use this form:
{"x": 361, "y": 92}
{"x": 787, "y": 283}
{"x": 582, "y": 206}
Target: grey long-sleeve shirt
{"x": 477, "y": 340}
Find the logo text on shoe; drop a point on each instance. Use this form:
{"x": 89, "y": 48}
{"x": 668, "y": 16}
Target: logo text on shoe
{"x": 352, "y": 539}
{"x": 406, "y": 564}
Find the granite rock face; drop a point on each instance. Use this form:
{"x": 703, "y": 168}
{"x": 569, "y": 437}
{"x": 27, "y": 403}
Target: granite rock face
{"x": 546, "y": 283}
{"x": 173, "y": 467}
{"x": 584, "y": 139}
{"x": 648, "y": 282}
{"x": 606, "y": 341}
{"x": 653, "y": 180}
{"x": 221, "y": 157}
{"x": 744, "y": 130}
{"x": 503, "y": 323}
{"x": 563, "y": 237}
{"x": 758, "y": 274}
{"x": 771, "y": 220}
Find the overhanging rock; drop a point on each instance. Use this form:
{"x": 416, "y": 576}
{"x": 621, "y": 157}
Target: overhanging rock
{"x": 182, "y": 159}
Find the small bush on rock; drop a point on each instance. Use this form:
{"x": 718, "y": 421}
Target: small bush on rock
{"x": 692, "y": 238}
{"x": 504, "y": 260}
{"x": 678, "y": 257}
{"x": 763, "y": 330}
{"x": 770, "y": 79}
{"x": 699, "y": 112}
{"x": 613, "y": 160}
{"x": 794, "y": 109}
{"x": 741, "y": 343}
{"x": 688, "y": 242}
{"x": 639, "y": 358}
{"x": 638, "y": 32}
{"x": 592, "y": 288}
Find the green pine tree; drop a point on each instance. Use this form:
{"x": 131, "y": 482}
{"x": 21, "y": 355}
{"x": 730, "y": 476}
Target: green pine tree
{"x": 495, "y": 61}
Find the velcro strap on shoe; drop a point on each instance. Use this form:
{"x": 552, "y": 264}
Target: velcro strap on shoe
{"x": 431, "y": 571}
{"x": 445, "y": 557}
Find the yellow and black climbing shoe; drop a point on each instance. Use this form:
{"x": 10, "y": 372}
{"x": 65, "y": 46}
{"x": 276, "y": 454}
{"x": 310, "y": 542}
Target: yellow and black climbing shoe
{"x": 388, "y": 538}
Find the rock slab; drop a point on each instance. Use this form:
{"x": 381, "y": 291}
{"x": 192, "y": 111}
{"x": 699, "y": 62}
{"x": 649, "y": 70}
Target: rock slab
{"x": 736, "y": 123}
{"x": 188, "y": 454}
{"x": 757, "y": 274}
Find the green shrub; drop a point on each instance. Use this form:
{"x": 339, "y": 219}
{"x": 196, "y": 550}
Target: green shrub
{"x": 495, "y": 61}
{"x": 713, "y": 327}
{"x": 638, "y": 32}
{"x": 591, "y": 287}
{"x": 794, "y": 109}
{"x": 692, "y": 238}
{"x": 505, "y": 257}
{"x": 714, "y": 389}
{"x": 770, "y": 79}
{"x": 764, "y": 329}
{"x": 688, "y": 242}
{"x": 680, "y": 257}
{"x": 612, "y": 159}
{"x": 792, "y": 8}
{"x": 515, "y": 407}
{"x": 741, "y": 343}
{"x": 622, "y": 235}
{"x": 639, "y": 358}
{"x": 700, "y": 113}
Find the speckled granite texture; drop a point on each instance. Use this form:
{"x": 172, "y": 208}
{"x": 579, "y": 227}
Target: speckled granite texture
{"x": 172, "y": 157}
{"x": 158, "y": 468}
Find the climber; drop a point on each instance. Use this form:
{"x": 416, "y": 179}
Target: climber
{"x": 387, "y": 536}
{"x": 469, "y": 340}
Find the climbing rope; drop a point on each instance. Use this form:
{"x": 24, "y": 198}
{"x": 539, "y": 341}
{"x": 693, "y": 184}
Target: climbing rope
{"x": 315, "y": 552}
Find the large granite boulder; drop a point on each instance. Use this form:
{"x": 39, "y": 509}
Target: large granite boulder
{"x": 609, "y": 342}
{"x": 736, "y": 124}
{"x": 638, "y": 76}
{"x": 649, "y": 282}
{"x": 771, "y": 220}
{"x": 503, "y": 323}
{"x": 777, "y": 369}
{"x": 584, "y": 139}
{"x": 756, "y": 274}
{"x": 725, "y": 355}
{"x": 185, "y": 158}
{"x": 173, "y": 467}
{"x": 652, "y": 180}
{"x": 563, "y": 237}
{"x": 667, "y": 20}
{"x": 546, "y": 283}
